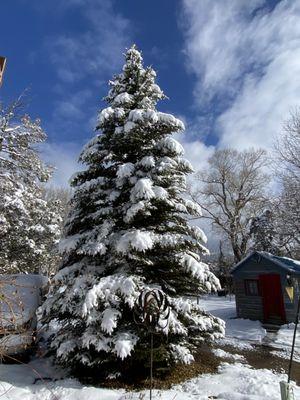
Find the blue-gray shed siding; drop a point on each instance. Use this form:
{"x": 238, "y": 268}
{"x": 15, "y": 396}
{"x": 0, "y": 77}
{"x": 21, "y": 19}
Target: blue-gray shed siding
{"x": 252, "y": 306}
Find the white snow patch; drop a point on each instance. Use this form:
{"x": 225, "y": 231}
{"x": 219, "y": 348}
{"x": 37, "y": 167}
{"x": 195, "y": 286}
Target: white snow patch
{"x": 147, "y": 162}
{"x": 129, "y": 125}
{"x": 170, "y": 144}
{"x": 135, "y": 240}
{"x": 155, "y": 117}
{"x": 124, "y": 344}
{"x": 105, "y": 114}
{"x": 181, "y": 354}
{"x": 224, "y": 354}
{"x": 125, "y": 170}
{"x": 239, "y": 332}
{"x": 69, "y": 243}
{"x": 142, "y": 190}
{"x": 283, "y": 341}
{"x": 160, "y": 192}
{"x": 109, "y": 319}
{"x": 232, "y": 382}
{"x": 108, "y": 288}
{"x": 133, "y": 210}
{"x": 123, "y": 98}
{"x": 237, "y": 382}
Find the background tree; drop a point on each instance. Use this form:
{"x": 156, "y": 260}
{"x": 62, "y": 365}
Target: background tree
{"x": 60, "y": 196}
{"x": 288, "y": 149}
{"x": 220, "y": 262}
{"x": 287, "y": 168}
{"x": 230, "y": 192}
{"x": 29, "y": 225}
{"x": 264, "y": 233}
{"x": 127, "y": 230}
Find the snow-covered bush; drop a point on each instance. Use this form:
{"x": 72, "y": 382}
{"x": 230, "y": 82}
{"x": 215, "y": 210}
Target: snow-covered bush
{"x": 29, "y": 225}
{"x": 127, "y": 230}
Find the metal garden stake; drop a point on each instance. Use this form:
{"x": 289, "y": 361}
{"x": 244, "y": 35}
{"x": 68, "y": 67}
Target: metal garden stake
{"x": 151, "y": 310}
{"x": 285, "y": 387}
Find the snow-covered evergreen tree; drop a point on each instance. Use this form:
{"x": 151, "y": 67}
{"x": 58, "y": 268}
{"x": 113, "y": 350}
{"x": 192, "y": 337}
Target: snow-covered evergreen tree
{"x": 127, "y": 231}
{"x": 29, "y": 225}
{"x": 263, "y": 233}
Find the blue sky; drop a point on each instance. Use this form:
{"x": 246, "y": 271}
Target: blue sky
{"x": 230, "y": 68}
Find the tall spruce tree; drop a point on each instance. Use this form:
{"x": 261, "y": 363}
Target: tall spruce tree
{"x": 127, "y": 231}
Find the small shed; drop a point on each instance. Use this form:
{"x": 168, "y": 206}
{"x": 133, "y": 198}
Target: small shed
{"x": 267, "y": 287}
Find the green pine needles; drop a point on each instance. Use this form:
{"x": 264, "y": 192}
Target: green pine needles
{"x": 128, "y": 230}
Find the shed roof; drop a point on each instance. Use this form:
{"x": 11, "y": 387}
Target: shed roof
{"x": 288, "y": 264}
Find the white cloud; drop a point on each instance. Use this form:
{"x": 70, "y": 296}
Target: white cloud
{"x": 96, "y": 48}
{"x": 72, "y": 107}
{"x": 63, "y": 157}
{"x": 197, "y": 153}
{"x": 85, "y": 57}
{"x": 246, "y": 57}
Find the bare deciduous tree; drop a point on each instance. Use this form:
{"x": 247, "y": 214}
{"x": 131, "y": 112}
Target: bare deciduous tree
{"x": 288, "y": 148}
{"x": 231, "y": 192}
{"x": 287, "y": 167}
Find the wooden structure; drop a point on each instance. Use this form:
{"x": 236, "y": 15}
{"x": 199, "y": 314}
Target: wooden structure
{"x": 2, "y": 68}
{"x": 267, "y": 288}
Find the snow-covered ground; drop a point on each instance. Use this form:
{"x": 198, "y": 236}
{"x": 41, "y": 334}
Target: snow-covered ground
{"x": 243, "y": 333}
{"x": 282, "y": 341}
{"x": 234, "y": 381}
{"x": 239, "y": 332}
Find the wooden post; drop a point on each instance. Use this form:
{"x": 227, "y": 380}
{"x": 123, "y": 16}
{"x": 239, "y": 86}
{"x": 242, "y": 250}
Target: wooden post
{"x": 2, "y": 68}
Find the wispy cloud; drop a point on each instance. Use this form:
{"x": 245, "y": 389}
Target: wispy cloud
{"x": 96, "y": 48}
{"x": 83, "y": 59}
{"x": 63, "y": 157}
{"x": 246, "y": 59}
{"x": 72, "y": 108}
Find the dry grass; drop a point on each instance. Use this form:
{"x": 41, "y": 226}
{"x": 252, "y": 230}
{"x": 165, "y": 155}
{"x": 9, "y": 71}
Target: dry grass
{"x": 205, "y": 362}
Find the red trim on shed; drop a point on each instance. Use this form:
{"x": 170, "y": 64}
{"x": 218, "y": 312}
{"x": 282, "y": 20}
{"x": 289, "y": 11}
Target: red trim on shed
{"x": 272, "y": 297}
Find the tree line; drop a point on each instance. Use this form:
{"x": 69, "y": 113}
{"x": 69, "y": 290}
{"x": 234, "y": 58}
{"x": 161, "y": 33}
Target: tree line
{"x": 252, "y": 199}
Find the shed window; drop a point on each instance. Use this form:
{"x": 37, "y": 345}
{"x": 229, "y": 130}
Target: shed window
{"x": 251, "y": 287}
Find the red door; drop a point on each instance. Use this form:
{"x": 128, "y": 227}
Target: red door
{"x": 270, "y": 286}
